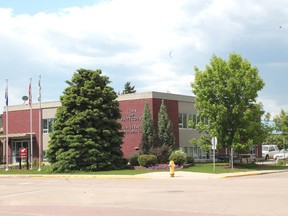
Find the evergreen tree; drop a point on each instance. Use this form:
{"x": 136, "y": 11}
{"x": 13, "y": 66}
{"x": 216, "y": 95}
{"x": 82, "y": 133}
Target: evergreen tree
{"x": 128, "y": 89}
{"x": 165, "y": 128}
{"x": 86, "y": 132}
{"x": 148, "y": 134}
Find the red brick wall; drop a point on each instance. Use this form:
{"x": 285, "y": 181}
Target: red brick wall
{"x": 132, "y": 113}
{"x": 19, "y": 122}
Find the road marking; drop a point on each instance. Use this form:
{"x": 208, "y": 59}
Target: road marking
{"x": 25, "y": 183}
{"x": 25, "y": 193}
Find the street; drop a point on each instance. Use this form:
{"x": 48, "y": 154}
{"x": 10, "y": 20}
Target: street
{"x": 202, "y": 195}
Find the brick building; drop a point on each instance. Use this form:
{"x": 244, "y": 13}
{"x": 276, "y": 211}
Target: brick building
{"x": 180, "y": 110}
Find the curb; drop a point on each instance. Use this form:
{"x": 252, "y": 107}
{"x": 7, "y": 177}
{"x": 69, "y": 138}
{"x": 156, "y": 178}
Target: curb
{"x": 145, "y": 176}
{"x": 74, "y": 176}
{"x": 243, "y": 174}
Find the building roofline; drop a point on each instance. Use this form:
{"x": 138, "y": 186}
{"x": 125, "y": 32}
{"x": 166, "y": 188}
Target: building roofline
{"x": 158, "y": 95}
{"x": 121, "y": 97}
{"x": 44, "y": 105}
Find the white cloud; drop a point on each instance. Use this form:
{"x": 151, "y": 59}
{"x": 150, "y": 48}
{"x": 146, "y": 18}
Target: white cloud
{"x": 155, "y": 44}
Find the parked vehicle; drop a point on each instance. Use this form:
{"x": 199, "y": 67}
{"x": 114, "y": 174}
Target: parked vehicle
{"x": 268, "y": 151}
{"x": 283, "y": 154}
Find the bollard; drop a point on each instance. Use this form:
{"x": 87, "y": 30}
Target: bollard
{"x": 171, "y": 166}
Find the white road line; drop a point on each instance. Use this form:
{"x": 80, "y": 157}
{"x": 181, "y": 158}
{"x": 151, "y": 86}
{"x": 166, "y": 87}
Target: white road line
{"x": 25, "y": 193}
{"x": 25, "y": 183}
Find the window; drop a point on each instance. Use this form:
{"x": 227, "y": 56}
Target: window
{"x": 185, "y": 124}
{"x": 271, "y": 148}
{"x": 47, "y": 125}
{"x": 180, "y": 120}
{"x": 187, "y": 120}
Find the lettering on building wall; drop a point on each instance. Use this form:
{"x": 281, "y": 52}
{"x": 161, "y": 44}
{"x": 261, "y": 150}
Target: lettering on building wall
{"x": 128, "y": 122}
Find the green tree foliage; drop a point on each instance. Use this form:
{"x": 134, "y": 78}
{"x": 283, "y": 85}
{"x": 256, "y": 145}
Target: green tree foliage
{"x": 269, "y": 127}
{"x": 128, "y": 89}
{"x": 226, "y": 95}
{"x": 148, "y": 133}
{"x": 86, "y": 132}
{"x": 165, "y": 128}
{"x": 281, "y": 127}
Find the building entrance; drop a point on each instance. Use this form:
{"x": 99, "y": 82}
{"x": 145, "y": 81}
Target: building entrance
{"x": 16, "y": 145}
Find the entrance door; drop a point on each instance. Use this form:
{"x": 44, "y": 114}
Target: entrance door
{"x": 16, "y": 145}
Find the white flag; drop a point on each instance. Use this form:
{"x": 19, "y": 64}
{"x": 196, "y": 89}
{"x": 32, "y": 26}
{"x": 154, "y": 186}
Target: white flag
{"x": 6, "y": 93}
{"x": 39, "y": 89}
{"x": 30, "y": 94}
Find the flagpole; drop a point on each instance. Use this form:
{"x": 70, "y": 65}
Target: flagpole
{"x": 7, "y": 141}
{"x": 31, "y": 138}
{"x": 40, "y": 124}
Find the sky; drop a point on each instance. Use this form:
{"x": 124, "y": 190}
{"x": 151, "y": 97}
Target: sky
{"x": 154, "y": 44}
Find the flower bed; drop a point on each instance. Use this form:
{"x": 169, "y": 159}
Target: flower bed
{"x": 162, "y": 167}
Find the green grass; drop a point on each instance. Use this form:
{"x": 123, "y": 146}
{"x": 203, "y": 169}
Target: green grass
{"x": 199, "y": 167}
{"x": 225, "y": 168}
{"x": 47, "y": 170}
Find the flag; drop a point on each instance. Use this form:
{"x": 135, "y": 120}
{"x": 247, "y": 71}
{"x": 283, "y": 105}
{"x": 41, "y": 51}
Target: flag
{"x": 39, "y": 89}
{"x": 30, "y": 94}
{"x": 6, "y": 93}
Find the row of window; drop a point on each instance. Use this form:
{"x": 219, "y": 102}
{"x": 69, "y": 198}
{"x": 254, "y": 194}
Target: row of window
{"x": 196, "y": 152}
{"x": 185, "y": 121}
{"x": 190, "y": 120}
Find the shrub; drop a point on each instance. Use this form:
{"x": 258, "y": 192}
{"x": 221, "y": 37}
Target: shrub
{"x": 178, "y": 157}
{"x": 125, "y": 161}
{"x": 280, "y": 162}
{"x": 189, "y": 159}
{"x": 162, "y": 153}
{"x": 133, "y": 159}
{"x": 147, "y": 160}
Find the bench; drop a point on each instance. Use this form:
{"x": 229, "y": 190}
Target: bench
{"x": 222, "y": 158}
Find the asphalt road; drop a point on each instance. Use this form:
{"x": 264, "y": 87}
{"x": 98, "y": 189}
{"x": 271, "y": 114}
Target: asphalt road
{"x": 203, "y": 195}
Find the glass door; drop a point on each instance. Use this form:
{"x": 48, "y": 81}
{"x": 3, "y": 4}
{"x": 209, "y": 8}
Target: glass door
{"x": 16, "y": 145}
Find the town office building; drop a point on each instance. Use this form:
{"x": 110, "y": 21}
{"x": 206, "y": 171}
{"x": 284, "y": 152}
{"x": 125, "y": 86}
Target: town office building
{"x": 180, "y": 109}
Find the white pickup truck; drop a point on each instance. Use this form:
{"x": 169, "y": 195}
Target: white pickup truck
{"x": 268, "y": 151}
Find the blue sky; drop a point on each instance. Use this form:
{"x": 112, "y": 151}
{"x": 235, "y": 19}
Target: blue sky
{"x": 154, "y": 44}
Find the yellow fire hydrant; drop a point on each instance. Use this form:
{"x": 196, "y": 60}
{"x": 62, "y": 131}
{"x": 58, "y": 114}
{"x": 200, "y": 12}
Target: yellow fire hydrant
{"x": 171, "y": 166}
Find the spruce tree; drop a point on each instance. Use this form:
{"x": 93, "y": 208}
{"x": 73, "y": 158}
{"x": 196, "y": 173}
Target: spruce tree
{"x": 165, "y": 129}
{"x": 128, "y": 89}
{"x": 148, "y": 134}
{"x": 86, "y": 132}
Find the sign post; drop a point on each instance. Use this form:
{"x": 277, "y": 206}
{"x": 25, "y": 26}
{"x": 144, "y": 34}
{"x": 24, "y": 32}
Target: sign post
{"x": 23, "y": 154}
{"x": 214, "y": 144}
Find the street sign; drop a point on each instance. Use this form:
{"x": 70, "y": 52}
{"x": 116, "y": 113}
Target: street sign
{"x": 214, "y": 142}
{"x": 23, "y": 153}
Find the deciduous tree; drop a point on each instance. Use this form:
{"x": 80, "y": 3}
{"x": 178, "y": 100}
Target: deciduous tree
{"x": 226, "y": 94}
{"x": 281, "y": 127}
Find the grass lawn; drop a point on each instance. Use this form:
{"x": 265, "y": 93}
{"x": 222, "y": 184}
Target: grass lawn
{"x": 225, "y": 168}
{"x": 199, "y": 167}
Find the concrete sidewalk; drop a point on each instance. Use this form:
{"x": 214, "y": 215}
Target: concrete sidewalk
{"x": 194, "y": 175}
{"x": 153, "y": 175}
